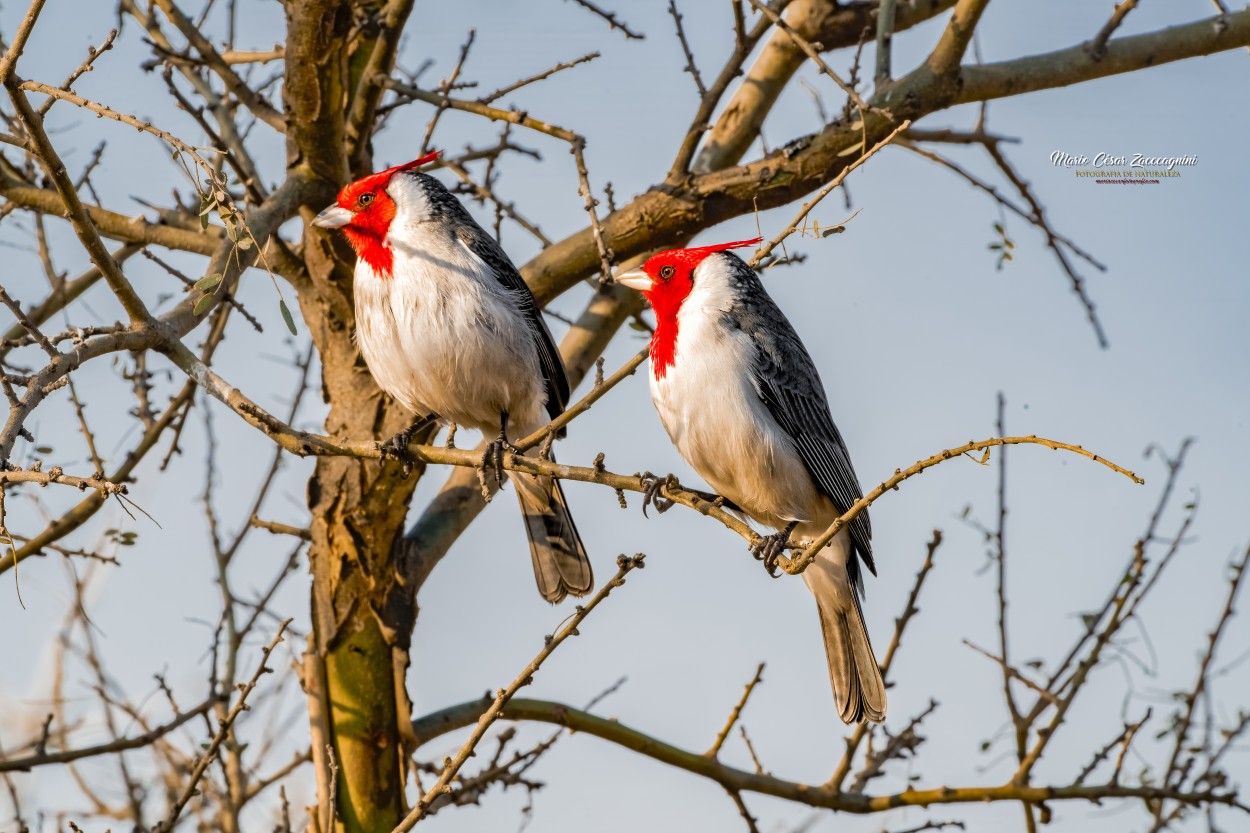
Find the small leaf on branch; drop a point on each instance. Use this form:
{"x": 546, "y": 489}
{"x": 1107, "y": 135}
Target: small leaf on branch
{"x": 287, "y": 317}
{"x": 207, "y": 282}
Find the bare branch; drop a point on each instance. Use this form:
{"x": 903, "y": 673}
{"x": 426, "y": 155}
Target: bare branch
{"x": 1074, "y": 65}
{"x": 9, "y": 59}
{"x": 223, "y": 731}
{"x": 613, "y": 21}
{"x": 685, "y": 48}
{"x": 765, "y": 250}
{"x": 950, "y": 49}
{"x": 799, "y": 563}
{"x": 737, "y": 712}
{"x": 451, "y": 766}
{"x": 466, "y": 714}
{"x": 545, "y": 74}
{"x": 43, "y": 758}
{"x": 261, "y": 108}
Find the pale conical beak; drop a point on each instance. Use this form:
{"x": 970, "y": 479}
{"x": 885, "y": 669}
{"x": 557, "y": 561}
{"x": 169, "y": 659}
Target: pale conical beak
{"x": 336, "y": 216}
{"x": 634, "y": 279}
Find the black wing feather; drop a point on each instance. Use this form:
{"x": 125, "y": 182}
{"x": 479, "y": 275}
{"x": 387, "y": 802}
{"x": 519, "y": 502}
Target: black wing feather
{"x": 789, "y": 386}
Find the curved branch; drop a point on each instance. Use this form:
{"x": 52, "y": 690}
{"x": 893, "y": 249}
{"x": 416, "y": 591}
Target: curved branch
{"x": 799, "y": 564}
{"x": 439, "y": 723}
{"x": 305, "y": 443}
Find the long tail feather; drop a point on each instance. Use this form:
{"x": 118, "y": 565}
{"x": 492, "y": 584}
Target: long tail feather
{"x": 561, "y": 566}
{"x": 858, "y": 690}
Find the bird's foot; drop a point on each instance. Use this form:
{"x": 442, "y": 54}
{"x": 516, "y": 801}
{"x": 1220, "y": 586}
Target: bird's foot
{"x": 396, "y": 448}
{"x": 482, "y": 481}
{"x": 652, "y": 486}
{"x": 492, "y": 457}
{"x": 770, "y": 547}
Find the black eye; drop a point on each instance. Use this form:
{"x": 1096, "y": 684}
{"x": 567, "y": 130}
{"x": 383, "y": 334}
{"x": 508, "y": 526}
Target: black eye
{"x": 667, "y": 272}
{"x": 364, "y": 199}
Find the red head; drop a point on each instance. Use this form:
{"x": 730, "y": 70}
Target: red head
{"x": 364, "y": 211}
{"x": 666, "y": 279}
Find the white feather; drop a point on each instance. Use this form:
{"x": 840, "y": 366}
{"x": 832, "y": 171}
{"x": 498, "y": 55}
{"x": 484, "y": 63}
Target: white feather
{"x": 441, "y": 334}
{"x": 716, "y": 419}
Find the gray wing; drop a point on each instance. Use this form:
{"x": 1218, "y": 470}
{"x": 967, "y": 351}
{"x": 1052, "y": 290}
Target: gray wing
{"x": 485, "y": 247}
{"x": 789, "y": 385}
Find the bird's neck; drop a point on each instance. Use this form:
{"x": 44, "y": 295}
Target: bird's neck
{"x": 371, "y": 248}
{"x": 663, "y": 347}
{"x": 664, "y": 341}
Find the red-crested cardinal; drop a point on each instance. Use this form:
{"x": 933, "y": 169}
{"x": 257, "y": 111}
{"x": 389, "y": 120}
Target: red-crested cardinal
{"x": 448, "y": 327}
{"x": 743, "y": 403}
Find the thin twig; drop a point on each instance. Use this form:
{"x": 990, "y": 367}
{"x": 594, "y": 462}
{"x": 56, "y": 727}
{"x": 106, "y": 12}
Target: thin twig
{"x": 542, "y": 76}
{"x": 799, "y": 563}
{"x": 737, "y": 712}
{"x": 765, "y": 250}
{"x": 613, "y": 21}
{"x": 690, "y": 66}
{"x": 451, "y": 766}
{"x": 222, "y": 733}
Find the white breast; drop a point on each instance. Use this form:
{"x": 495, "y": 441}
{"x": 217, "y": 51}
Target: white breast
{"x": 443, "y": 337}
{"x": 713, "y": 414}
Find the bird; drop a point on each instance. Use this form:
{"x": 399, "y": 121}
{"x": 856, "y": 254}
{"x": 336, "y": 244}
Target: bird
{"x": 448, "y": 327}
{"x": 742, "y": 401}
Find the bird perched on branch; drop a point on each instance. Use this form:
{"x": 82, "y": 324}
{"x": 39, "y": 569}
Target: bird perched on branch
{"x": 742, "y": 401}
{"x": 448, "y": 327}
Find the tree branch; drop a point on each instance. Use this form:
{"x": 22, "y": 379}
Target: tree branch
{"x": 451, "y": 766}
{"x": 1074, "y": 65}
{"x": 439, "y": 723}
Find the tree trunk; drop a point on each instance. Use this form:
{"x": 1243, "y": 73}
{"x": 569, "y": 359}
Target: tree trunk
{"x": 363, "y": 610}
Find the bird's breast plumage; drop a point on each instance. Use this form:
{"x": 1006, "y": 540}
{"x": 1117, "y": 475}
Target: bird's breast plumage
{"x": 442, "y": 335}
{"x": 711, "y": 410}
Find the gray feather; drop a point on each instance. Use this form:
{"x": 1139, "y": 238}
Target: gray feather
{"x": 561, "y": 566}
{"x": 789, "y": 385}
{"x": 488, "y": 249}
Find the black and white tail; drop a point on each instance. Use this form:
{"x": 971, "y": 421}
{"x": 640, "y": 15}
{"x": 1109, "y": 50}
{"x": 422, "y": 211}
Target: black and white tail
{"x": 560, "y": 563}
{"x": 858, "y": 689}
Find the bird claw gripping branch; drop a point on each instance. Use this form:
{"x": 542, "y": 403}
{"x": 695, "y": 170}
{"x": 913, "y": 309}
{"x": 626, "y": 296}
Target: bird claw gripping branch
{"x": 770, "y": 547}
{"x": 493, "y": 456}
{"x": 396, "y": 448}
{"x": 653, "y": 485}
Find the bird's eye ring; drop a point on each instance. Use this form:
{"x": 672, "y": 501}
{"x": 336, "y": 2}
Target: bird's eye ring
{"x": 667, "y": 272}
{"x": 364, "y": 199}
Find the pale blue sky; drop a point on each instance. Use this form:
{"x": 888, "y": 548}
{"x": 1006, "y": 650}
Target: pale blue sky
{"x": 914, "y": 333}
